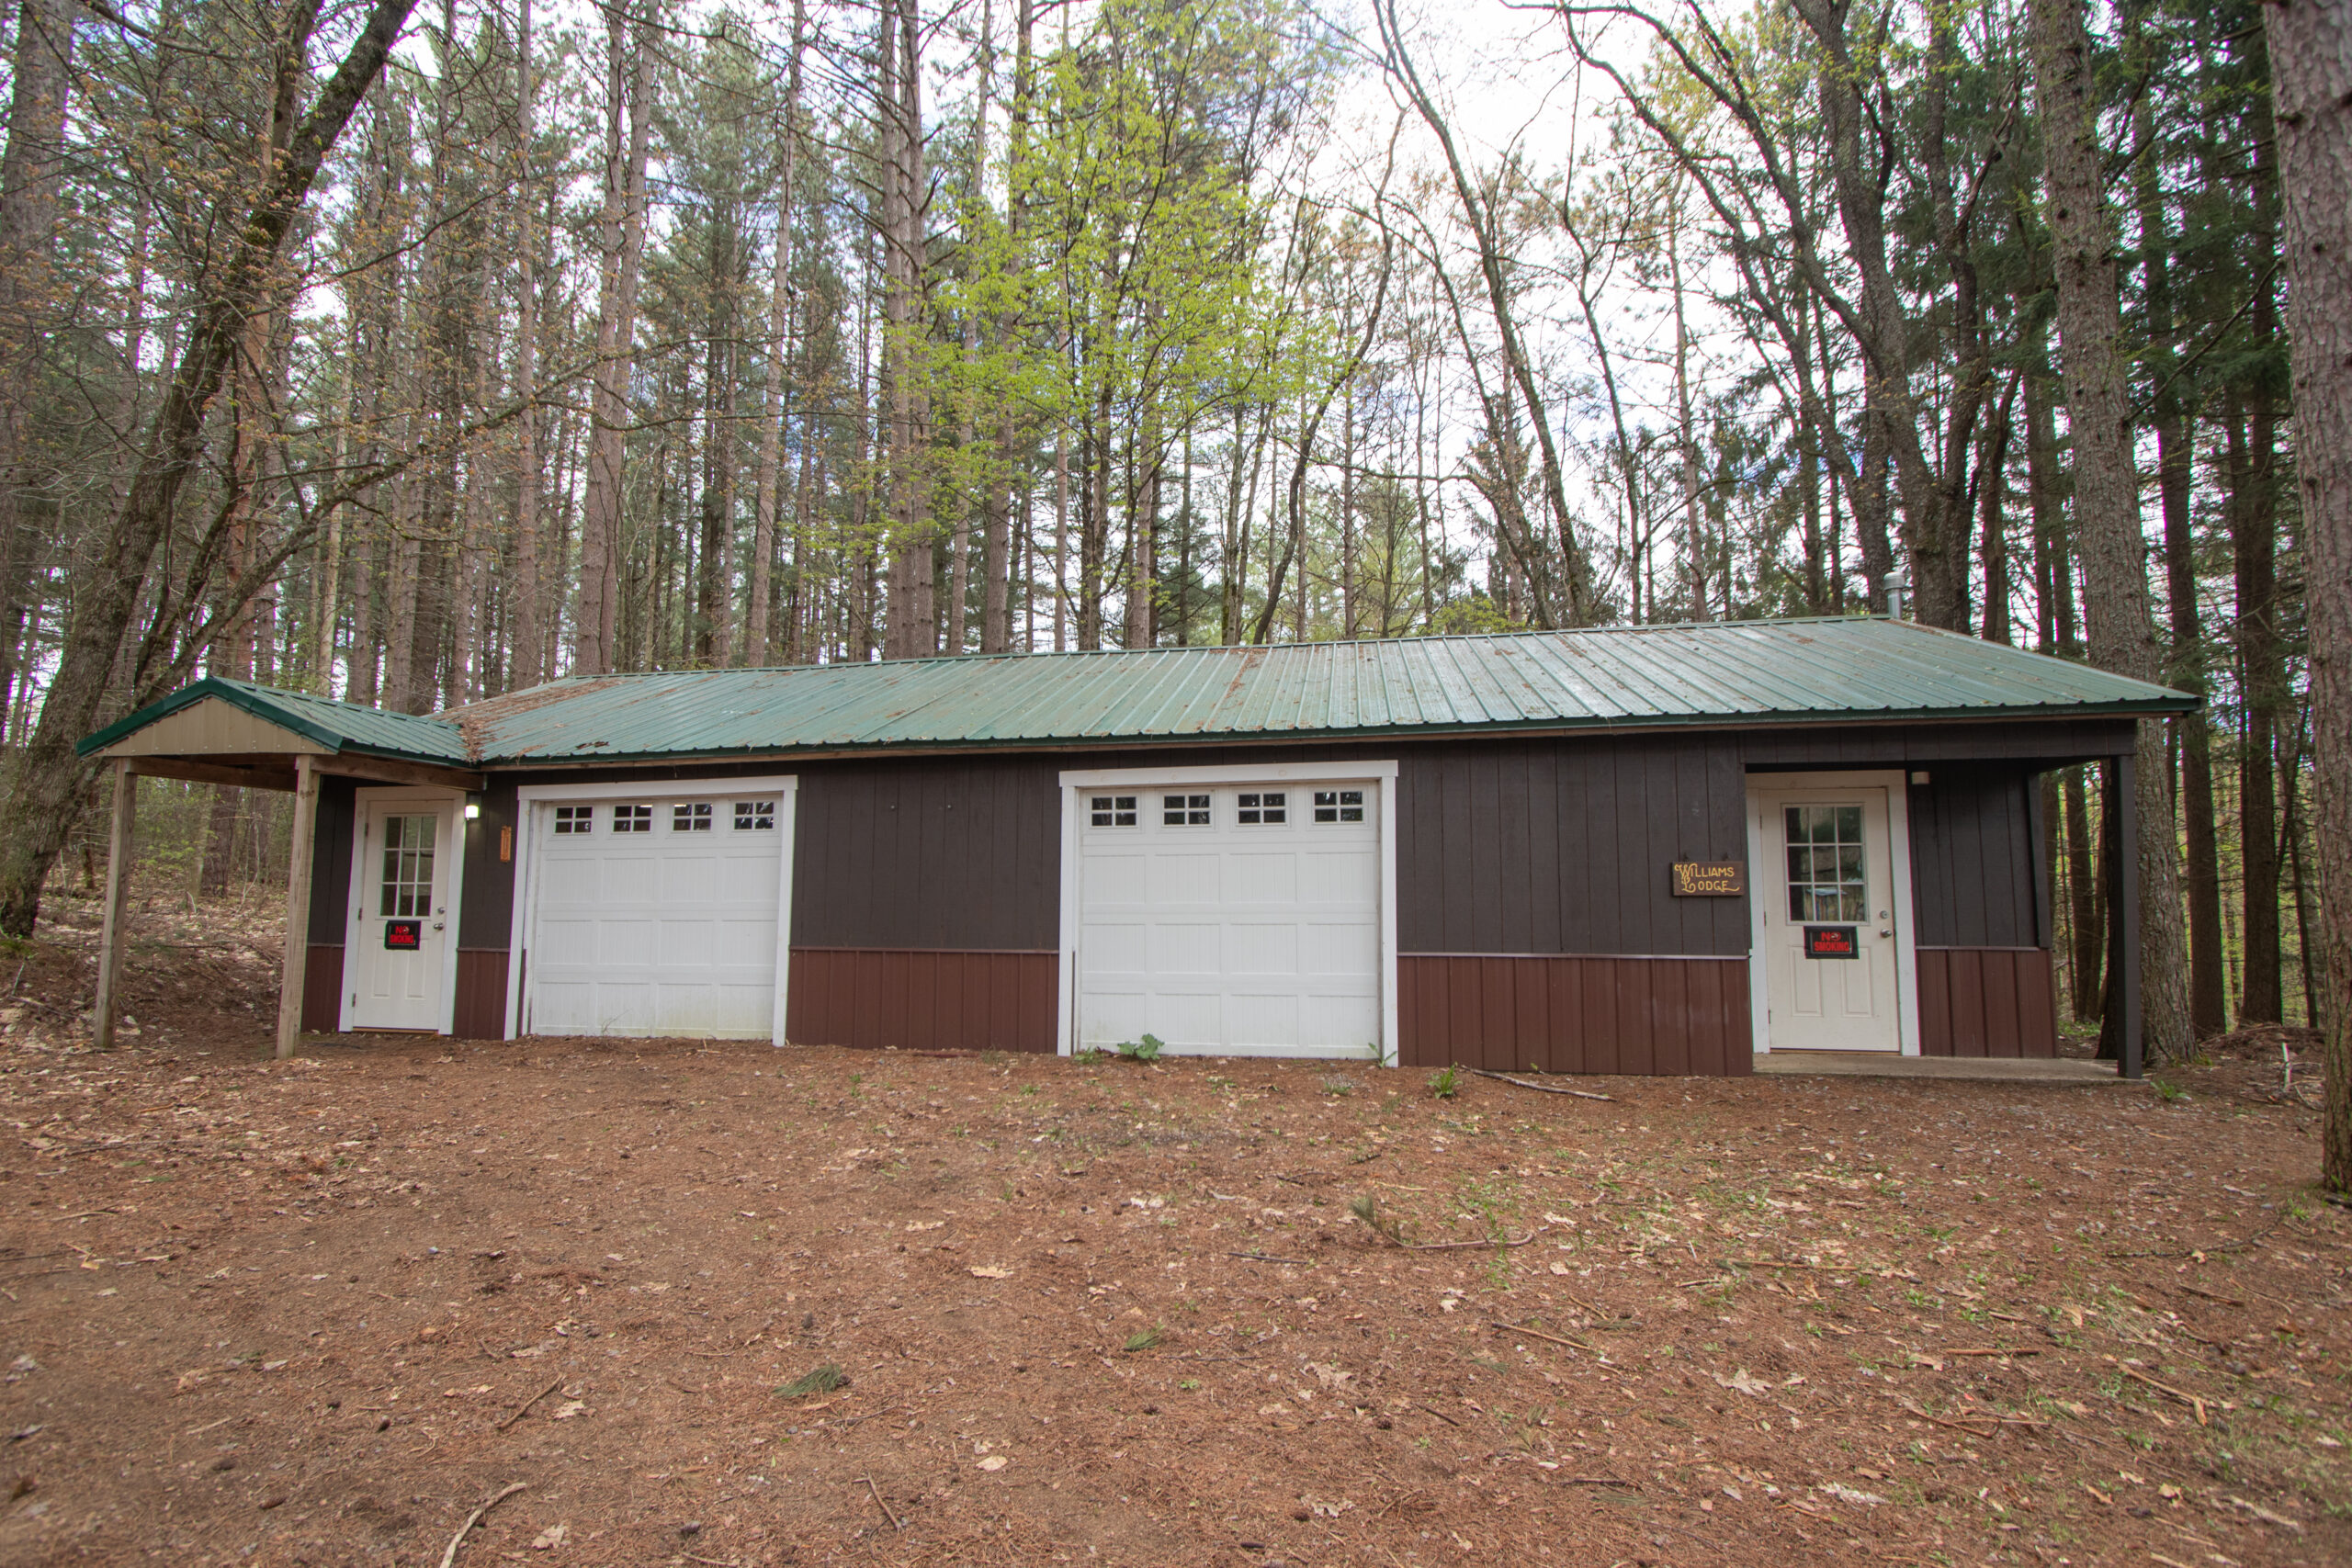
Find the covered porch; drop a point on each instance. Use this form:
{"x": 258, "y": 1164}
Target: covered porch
{"x": 233, "y": 732}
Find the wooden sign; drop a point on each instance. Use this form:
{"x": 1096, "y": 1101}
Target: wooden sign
{"x": 1710, "y": 879}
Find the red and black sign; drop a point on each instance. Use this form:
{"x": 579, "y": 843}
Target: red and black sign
{"x": 403, "y": 936}
{"x": 1832, "y": 941}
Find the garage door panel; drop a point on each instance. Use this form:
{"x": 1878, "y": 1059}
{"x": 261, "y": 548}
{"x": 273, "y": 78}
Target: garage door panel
{"x": 1188, "y": 948}
{"x": 688, "y": 944}
{"x": 749, "y": 882}
{"x": 1346, "y": 948}
{"x": 688, "y": 878}
{"x": 1112, "y": 878}
{"x": 1261, "y": 948}
{"x": 568, "y": 880}
{"x": 1257, "y": 877}
{"x": 1232, "y": 934}
{"x": 624, "y": 943}
{"x": 1350, "y": 876}
{"x": 1341, "y": 1022}
{"x": 1184, "y": 877}
{"x": 1263, "y": 1021}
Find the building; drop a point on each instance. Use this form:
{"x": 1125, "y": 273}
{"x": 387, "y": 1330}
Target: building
{"x": 1636, "y": 850}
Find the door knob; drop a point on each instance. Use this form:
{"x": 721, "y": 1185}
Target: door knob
{"x": 438, "y": 926}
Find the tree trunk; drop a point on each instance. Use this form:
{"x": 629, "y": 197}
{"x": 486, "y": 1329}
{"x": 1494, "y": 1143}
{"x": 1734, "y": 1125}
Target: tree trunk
{"x": 30, "y": 173}
{"x": 913, "y": 628}
{"x": 596, "y": 620}
{"x": 2207, "y": 989}
{"x": 2122, "y": 635}
{"x": 2310, "y": 53}
{"x": 523, "y": 666}
{"x": 772, "y": 411}
{"x": 40, "y": 808}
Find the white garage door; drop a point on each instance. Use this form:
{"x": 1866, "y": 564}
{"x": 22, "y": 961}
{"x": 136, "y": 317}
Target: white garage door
{"x": 1230, "y": 918}
{"x": 658, "y": 916}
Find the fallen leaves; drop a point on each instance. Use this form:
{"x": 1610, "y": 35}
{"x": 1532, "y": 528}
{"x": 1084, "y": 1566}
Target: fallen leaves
{"x": 988, "y": 1271}
{"x": 1740, "y": 1381}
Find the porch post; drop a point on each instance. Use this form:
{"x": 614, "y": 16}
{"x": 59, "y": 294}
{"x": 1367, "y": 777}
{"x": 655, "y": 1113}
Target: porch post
{"x": 2124, "y": 895}
{"x": 119, "y": 850}
{"x": 298, "y": 905}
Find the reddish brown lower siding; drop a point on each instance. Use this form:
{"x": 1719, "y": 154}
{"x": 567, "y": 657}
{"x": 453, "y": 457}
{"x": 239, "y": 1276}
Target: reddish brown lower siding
{"x": 1986, "y": 1001}
{"x": 1575, "y": 1014}
{"x": 322, "y": 990}
{"x": 920, "y": 998}
{"x": 482, "y": 993}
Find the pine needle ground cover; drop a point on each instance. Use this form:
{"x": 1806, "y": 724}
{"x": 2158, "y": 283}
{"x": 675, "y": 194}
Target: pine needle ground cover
{"x": 321, "y": 1312}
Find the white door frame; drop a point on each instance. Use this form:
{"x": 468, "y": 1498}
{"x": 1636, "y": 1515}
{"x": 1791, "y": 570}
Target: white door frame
{"x": 533, "y": 805}
{"x": 1075, "y": 783}
{"x": 1897, "y": 782}
{"x": 362, "y": 800}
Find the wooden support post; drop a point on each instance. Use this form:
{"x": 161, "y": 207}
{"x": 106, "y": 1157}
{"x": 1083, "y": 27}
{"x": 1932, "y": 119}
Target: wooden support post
{"x": 298, "y": 905}
{"x": 110, "y": 943}
{"x": 2123, "y": 801}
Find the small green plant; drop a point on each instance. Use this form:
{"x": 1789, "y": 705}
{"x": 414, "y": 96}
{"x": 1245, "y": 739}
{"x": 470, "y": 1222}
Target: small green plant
{"x": 1366, "y": 1207}
{"x": 1446, "y": 1082}
{"x": 1144, "y": 1339}
{"x": 1146, "y": 1049}
{"x": 2168, "y": 1091}
{"x": 1189, "y": 1385}
{"x": 1086, "y": 1056}
{"x": 993, "y": 1058}
{"x": 1382, "y": 1056}
{"x": 1339, "y": 1085}
{"x": 822, "y": 1380}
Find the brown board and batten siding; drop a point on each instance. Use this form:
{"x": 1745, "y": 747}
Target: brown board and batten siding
{"x": 1536, "y": 920}
{"x": 1986, "y": 986}
{"x": 926, "y": 904}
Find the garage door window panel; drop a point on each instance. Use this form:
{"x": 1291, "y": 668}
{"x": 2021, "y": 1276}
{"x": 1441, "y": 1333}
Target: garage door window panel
{"x": 1112, "y": 811}
{"x": 690, "y": 817}
{"x": 632, "y": 819}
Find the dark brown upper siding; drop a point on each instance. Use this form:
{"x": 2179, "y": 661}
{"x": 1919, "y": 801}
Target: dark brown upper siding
{"x": 1563, "y": 846}
{"x": 486, "y": 903}
{"x": 1973, "y": 864}
{"x": 330, "y": 865}
{"x": 954, "y": 852}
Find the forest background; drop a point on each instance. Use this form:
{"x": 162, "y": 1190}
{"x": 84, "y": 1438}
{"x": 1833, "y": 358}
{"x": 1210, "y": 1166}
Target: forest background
{"x": 414, "y": 353}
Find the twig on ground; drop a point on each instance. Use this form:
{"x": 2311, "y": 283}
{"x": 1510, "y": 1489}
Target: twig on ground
{"x": 881, "y": 1505}
{"x": 1538, "y": 1334}
{"x": 1600, "y": 1481}
{"x": 518, "y": 1414}
{"x": 1440, "y": 1414}
{"x": 474, "y": 1518}
{"x": 2238, "y": 1246}
{"x": 1264, "y": 1258}
{"x": 1988, "y": 1351}
{"x": 2192, "y": 1401}
{"x": 1541, "y": 1088}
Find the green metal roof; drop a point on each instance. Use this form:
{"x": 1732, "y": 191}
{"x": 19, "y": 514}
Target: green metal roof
{"x": 1746, "y": 673}
{"x": 338, "y": 727}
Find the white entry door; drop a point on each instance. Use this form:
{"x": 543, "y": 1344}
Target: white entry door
{"x": 1230, "y": 918}
{"x": 1827, "y": 887}
{"x": 402, "y": 931}
{"x": 659, "y": 916}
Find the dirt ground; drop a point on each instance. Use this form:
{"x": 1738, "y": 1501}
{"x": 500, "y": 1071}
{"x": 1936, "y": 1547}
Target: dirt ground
{"x": 321, "y": 1312}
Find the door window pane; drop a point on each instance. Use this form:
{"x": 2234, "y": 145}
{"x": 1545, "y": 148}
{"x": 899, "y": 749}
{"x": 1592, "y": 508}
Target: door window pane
{"x": 1827, "y": 875}
{"x": 1111, "y": 810}
{"x": 755, "y": 815}
{"x": 575, "y": 819}
{"x": 690, "y": 817}
{"x": 632, "y": 819}
{"x": 406, "y": 890}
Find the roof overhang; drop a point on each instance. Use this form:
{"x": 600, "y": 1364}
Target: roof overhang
{"x": 209, "y": 737}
